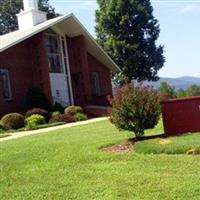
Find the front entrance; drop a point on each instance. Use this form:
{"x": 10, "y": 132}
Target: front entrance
{"x": 58, "y": 68}
{"x": 59, "y": 89}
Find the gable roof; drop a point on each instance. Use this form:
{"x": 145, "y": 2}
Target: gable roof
{"x": 66, "y": 21}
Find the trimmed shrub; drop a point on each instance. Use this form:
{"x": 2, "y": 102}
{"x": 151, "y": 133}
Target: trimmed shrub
{"x": 58, "y": 107}
{"x": 35, "y": 120}
{"x": 12, "y": 121}
{"x": 35, "y": 98}
{"x": 37, "y": 111}
{"x": 1, "y": 125}
{"x": 135, "y": 108}
{"x": 62, "y": 118}
{"x": 55, "y": 113}
{"x": 72, "y": 110}
{"x": 80, "y": 117}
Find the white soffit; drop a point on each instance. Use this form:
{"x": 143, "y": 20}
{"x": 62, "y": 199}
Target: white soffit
{"x": 71, "y": 26}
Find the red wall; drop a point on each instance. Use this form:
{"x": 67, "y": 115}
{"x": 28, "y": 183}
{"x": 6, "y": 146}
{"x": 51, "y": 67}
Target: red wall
{"x": 27, "y": 65}
{"x": 105, "y": 81}
{"x": 82, "y": 64}
{"x": 181, "y": 115}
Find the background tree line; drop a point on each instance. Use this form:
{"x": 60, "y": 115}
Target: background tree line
{"x": 169, "y": 92}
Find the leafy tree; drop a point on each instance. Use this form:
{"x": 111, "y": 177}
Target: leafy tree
{"x": 135, "y": 108}
{"x": 9, "y": 9}
{"x": 181, "y": 93}
{"x": 193, "y": 90}
{"x": 167, "y": 91}
{"x": 128, "y": 31}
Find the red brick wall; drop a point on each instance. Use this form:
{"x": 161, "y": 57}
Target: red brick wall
{"x": 105, "y": 81}
{"x": 82, "y": 64}
{"x": 27, "y": 65}
{"x": 79, "y": 70}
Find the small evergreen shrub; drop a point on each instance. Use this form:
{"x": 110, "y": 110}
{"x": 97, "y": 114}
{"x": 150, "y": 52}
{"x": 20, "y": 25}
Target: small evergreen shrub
{"x": 37, "y": 111}
{"x": 62, "y": 118}
{"x": 135, "y": 108}
{"x": 1, "y": 125}
{"x": 35, "y": 120}
{"x": 58, "y": 107}
{"x": 55, "y": 113}
{"x": 80, "y": 117}
{"x": 12, "y": 121}
{"x": 35, "y": 98}
{"x": 72, "y": 110}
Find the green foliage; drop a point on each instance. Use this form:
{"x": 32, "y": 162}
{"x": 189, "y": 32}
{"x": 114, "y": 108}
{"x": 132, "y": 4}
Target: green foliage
{"x": 193, "y": 90}
{"x": 1, "y": 125}
{"x": 167, "y": 91}
{"x": 37, "y": 111}
{"x": 55, "y": 113}
{"x": 72, "y": 110}
{"x": 35, "y": 120}
{"x": 35, "y": 98}
{"x": 135, "y": 108}
{"x": 12, "y": 121}
{"x": 9, "y": 9}
{"x": 171, "y": 145}
{"x": 128, "y": 31}
{"x": 181, "y": 93}
{"x": 58, "y": 107}
{"x": 62, "y": 118}
{"x": 80, "y": 117}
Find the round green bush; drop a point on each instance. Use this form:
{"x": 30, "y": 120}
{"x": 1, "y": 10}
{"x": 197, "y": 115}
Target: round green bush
{"x": 72, "y": 110}
{"x": 55, "y": 113}
{"x": 135, "y": 108}
{"x": 13, "y": 121}
{"x": 1, "y": 125}
{"x": 37, "y": 111}
{"x": 62, "y": 118}
{"x": 35, "y": 120}
{"x": 80, "y": 117}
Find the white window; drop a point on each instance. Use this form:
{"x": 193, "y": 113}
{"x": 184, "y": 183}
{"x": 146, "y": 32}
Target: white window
{"x": 97, "y": 83}
{"x": 54, "y": 52}
{"x": 5, "y": 82}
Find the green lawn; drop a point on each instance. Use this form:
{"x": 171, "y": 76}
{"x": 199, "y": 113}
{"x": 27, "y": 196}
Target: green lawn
{"x": 172, "y": 145}
{"x": 67, "y": 164}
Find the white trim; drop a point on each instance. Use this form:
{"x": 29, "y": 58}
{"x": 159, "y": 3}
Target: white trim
{"x": 91, "y": 37}
{"x": 34, "y": 32}
{"x": 57, "y": 30}
{"x": 69, "y": 72}
{"x": 11, "y": 39}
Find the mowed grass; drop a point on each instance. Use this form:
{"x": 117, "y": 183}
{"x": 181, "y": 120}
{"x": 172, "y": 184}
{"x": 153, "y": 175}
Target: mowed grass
{"x": 188, "y": 143}
{"x": 68, "y": 165}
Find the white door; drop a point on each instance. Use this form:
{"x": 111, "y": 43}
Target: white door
{"x": 58, "y": 68}
{"x": 59, "y": 89}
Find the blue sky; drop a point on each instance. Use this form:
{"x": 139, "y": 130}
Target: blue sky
{"x": 180, "y": 30}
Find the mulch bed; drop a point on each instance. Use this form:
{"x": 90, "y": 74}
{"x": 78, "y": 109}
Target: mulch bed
{"x": 124, "y": 147}
{"x": 127, "y": 146}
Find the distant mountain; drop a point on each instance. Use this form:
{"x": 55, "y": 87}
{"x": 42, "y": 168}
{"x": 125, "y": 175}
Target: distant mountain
{"x": 179, "y": 83}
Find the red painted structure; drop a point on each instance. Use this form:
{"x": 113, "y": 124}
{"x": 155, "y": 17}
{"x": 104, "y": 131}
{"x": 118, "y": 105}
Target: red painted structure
{"x": 27, "y": 63}
{"x": 181, "y": 115}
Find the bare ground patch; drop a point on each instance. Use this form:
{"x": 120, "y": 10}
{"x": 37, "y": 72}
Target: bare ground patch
{"x": 123, "y": 147}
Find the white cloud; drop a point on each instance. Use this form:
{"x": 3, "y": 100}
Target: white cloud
{"x": 191, "y": 9}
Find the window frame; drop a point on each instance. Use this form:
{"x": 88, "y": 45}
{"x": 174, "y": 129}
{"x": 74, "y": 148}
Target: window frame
{"x": 97, "y": 83}
{"x": 52, "y": 55}
{"x": 6, "y": 71}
